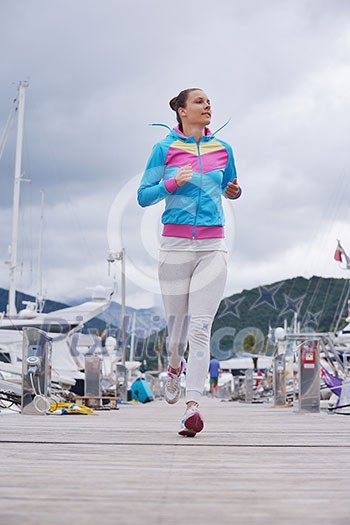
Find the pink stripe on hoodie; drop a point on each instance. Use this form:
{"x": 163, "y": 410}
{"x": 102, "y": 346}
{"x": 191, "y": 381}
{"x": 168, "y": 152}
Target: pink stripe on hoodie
{"x": 186, "y": 231}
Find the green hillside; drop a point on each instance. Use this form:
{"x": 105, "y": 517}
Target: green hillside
{"x": 318, "y": 301}
{"x": 243, "y": 320}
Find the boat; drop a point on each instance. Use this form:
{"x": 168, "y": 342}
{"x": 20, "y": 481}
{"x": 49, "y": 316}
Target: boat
{"x": 62, "y": 326}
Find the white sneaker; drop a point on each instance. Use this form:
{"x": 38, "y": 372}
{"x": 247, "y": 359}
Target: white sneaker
{"x": 192, "y": 422}
{"x": 173, "y": 387}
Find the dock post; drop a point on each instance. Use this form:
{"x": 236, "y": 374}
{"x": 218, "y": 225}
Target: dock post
{"x": 121, "y": 382}
{"x": 248, "y": 385}
{"x": 36, "y": 372}
{"x": 93, "y": 380}
{"x": 279, "y": 380}
{"x": 309, "y": 377}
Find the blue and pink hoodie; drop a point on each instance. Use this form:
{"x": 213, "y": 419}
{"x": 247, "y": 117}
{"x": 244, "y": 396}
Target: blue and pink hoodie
{"x": 194, "y": 210}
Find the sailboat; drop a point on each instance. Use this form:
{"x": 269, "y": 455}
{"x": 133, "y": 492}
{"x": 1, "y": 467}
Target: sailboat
{"x": 63, "y": 326}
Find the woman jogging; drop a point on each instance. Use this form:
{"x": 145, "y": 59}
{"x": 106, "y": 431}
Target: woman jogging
{"x": 191, "y": 169}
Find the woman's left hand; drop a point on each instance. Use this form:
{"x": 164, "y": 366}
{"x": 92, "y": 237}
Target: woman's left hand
{"x": 232, "y": 189}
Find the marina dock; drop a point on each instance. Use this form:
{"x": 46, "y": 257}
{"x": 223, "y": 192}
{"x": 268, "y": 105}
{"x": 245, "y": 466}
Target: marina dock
{"x": 252, "y": 464}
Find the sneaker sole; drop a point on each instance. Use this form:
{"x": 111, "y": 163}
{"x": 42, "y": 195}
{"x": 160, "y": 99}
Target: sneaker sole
{"x": 171, "y": 401}
{"x": 194, "y": 423}
{"x": 186, "y": 432}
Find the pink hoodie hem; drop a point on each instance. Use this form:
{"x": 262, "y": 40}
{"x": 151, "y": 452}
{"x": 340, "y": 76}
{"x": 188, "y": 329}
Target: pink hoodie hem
{"x": 186, "y": 231}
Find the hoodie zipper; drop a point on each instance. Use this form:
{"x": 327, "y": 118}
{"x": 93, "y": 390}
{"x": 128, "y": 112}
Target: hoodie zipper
{"x": 200, "y": 190}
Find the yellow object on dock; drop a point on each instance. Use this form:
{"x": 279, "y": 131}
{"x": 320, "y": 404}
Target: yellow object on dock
{"x": 70, "y": 408}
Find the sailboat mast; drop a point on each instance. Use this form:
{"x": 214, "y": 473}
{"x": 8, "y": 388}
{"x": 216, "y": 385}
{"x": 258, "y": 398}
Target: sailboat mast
{"x": 132, "y": 341}
{"x": 11, "y": 308}
{"x": 123, "y": 310}
{"x": 40, "y": 296}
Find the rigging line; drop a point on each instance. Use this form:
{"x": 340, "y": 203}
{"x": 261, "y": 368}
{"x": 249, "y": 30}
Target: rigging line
{"x": 309, "y": 305}
{"x": 68, "y": 201}
{"x": 326, "y": 297}
{"x": 26, "y": 239}
{"x": 24, "y": 243}
{"x": 84, "y": 243}
{"x": 315, "y": 294}
{"x": 31, "y": 234}
{"x": 16, "y": 329}
{"x": 339, "y": 309}
{"x": 344, "y": 306}
{"x": 340, "y": 192}
{"x": 31, "y": 237}
{"x": 325, "y": 301}
{"x": 28, "y": 163}
{"x": 8, "y": 126}
{"x": 340, "y": 189}
{"x": 328, "y": 217}
{"x": 315, "y": 290}
{"x": 291, "y": 290}
{"x": 305, "y": 292}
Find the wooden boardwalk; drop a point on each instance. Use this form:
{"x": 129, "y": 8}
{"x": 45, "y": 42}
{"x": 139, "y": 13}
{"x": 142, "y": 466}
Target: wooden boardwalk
{"x": 252, "y": 464}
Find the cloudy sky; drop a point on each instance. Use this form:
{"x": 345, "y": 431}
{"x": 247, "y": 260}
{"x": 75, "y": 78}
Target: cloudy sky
{"x": 100, "y": 71}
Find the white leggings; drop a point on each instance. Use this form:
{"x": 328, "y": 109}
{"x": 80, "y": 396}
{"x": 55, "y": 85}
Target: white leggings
{"x": 192, "y": 284}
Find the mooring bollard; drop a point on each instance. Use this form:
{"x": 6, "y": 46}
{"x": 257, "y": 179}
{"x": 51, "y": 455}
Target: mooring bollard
{"x": 93, "y": 380}
{"x": 36, "y": 372}
{"x": 248, "y": 385}
{"x": 309, "y": 377}
{"x": 279, "y": 380}
{"x": 121, "y": 382}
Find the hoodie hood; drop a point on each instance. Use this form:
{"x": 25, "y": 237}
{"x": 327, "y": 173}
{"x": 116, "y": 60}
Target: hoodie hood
{"x": 177, "y": 133}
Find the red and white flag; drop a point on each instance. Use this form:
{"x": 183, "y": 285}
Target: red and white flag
{"x": 340, "y": 255}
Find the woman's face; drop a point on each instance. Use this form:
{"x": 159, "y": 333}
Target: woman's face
{"x": 197, "y": 110}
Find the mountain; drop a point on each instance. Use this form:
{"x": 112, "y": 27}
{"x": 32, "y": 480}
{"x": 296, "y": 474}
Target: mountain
{"x": 321, "y": 304}
{"x": 243, "y": 320}
{"x": 50, "y": 306}
{"x": 147, "y": 320}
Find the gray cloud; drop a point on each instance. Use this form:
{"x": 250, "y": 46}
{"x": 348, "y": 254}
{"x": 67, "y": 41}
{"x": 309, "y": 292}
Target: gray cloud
{"x": 101, "y": 71}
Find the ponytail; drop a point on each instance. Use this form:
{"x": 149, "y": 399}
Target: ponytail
{"x": 180, "y": 102}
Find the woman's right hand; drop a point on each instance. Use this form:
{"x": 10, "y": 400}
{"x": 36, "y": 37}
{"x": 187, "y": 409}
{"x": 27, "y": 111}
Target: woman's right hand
{"x": 183, "y": 175}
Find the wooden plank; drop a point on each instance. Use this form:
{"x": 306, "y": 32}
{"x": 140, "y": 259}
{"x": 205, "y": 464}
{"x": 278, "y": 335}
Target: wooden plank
{"x": 84, "y": 400}
{"x": 252, "y": 464}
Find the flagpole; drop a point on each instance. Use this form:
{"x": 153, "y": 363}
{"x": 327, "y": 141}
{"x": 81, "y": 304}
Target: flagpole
{"x": 339, "y": 252}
